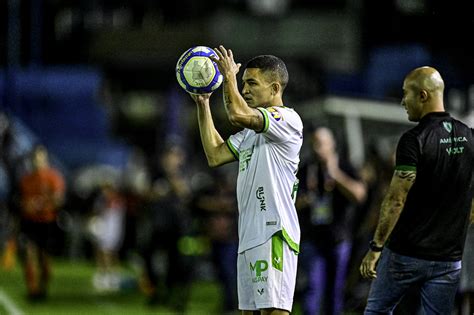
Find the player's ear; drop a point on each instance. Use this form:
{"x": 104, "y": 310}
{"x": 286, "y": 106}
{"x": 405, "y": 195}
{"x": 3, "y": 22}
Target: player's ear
{"x": 276, "y": 88}
{"x": 423, "y": 95}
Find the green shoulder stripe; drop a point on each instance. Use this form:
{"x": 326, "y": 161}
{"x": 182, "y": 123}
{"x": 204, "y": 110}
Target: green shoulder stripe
{"x": 266, "y": 121}
{"x": 232, "y": 150}
{"x": 405, "y": 168}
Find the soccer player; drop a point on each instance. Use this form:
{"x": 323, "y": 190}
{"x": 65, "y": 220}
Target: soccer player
{"x": 268, "y": 151}
{"x": 419, "y": 239}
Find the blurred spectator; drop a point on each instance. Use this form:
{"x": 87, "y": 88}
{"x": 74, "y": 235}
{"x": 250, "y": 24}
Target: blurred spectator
{"x": 42, "y": 191}
{"x": 328, "y": 193}
{"x": 136, "y": 184}
{"x": 170, "y": 220}
{"x": 107, "y": 228}
{"x": 376, "y": 174}
{"x": 7, "y": 244}
{"x": 218, "y": 207}
{"x": 466, "y": 287}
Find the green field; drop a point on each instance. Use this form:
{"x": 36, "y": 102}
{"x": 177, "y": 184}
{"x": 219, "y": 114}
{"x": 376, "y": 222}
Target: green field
{"x": 71, "y": 293}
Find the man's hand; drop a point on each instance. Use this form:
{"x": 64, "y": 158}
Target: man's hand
{"x": 201, "y": 99}
{"x": 226, "y": 63}
{"x": 367, "y": 267}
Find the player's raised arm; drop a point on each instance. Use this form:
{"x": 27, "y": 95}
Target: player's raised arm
{"x": 217, "y": 152}
{"x": 239, "y": 112}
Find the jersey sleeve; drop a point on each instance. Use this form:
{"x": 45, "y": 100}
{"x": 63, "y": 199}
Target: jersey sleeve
{"x": 279, "y": 123}
{"x": 408, "y": 153}
{"x": 234, "y": 142}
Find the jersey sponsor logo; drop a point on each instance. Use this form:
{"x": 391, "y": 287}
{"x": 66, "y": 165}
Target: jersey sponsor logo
{"x": 455, "y": 150}
{"x": 453, "y": 139}
{"x": 458, "y": 149}
{"x": 261, "y": 197}
{"x": 245, "y": 156}
{"x": 275, "y": 113}
{"x": 261, "y": 291}
{"x": 259, "y": 267}
{"x": 448, "y": 126}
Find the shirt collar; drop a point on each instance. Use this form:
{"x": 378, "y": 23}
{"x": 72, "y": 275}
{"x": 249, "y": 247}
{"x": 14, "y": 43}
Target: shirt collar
{"x": 433, "y": 115}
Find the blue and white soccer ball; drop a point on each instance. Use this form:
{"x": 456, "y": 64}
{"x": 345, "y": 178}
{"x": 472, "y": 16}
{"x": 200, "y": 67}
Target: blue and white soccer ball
{"x": 196, "y": 72}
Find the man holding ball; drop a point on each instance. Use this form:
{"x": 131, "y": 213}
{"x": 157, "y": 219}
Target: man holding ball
{"x": 268, "y": 151}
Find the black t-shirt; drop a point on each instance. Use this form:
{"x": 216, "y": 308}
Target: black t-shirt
{"x": 434, "y": 220}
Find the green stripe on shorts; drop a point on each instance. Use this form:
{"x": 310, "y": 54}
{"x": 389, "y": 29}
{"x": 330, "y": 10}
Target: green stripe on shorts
{"x": 277, "y": 252}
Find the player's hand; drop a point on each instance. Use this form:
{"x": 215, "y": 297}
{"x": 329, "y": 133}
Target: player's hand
{"x": 367, "y": 267}
{"x": 201, "y": 99}
{"x": 225, "y": 61}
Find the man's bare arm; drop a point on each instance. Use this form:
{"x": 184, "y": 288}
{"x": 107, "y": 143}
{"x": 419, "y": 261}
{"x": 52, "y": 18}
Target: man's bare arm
{"x": 239, "y": 113}
{"x": 393, "y": 204}
{"x": 216, "y": 150}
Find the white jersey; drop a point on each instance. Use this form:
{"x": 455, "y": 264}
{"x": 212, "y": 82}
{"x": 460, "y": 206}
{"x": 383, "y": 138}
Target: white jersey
{"x": 267, "y": 183}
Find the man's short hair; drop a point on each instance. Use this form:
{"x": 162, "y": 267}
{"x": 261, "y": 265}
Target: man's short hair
{"x": 271, "y": 65}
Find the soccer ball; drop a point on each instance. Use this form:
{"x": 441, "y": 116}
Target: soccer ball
{"x": 196, "y": 72}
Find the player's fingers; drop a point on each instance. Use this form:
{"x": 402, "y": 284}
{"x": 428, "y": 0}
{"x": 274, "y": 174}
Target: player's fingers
{"x": 223, "y": 51}
{"x": 230, "y": 53}
{"x": 218, "y": 53}
{"x": 362, "y": 270}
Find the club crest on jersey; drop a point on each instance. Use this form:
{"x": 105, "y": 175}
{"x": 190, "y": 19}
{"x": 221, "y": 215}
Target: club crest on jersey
{"x": 448, "y": 126}
{"x": 275, "y": 113}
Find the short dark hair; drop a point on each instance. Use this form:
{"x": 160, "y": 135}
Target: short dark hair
{"x": 273, "y": 65}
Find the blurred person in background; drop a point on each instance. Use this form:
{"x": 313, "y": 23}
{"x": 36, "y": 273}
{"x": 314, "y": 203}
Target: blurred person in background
{"x": 217, "y": 206}
{"x": 424, "y": 217}
{"x": 42, "y": 193}
{"x": 376, "y": 173}
{"x": 466, "y": 287}
{"x": 268, "y": 151}
{"x": 106, "y": 226}
{"x": 136, "y": 185}
{"x": 169, "y": 220}
{"x": 7, "y": 242}
{"x": 329, "y": 191}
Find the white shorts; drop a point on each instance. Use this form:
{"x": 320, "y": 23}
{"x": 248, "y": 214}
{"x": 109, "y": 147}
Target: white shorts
{"x": 267, "y": 276}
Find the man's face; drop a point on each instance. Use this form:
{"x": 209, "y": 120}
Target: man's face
{"x": 256, "y": 90}
{"x": 323, "y": 143}
{"x": 411, "y": 102}
{"x": 40, "y": 159}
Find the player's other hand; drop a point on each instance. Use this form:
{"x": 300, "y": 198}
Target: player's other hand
{"x": 225, "y": 61}
{"x": 367, "y": 267}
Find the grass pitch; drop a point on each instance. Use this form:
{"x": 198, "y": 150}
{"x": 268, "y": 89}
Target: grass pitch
{"x": 71, "y": 293}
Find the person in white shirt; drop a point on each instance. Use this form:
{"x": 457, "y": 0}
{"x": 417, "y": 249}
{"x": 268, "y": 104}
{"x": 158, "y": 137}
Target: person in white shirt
{"x": 268, "y": 150}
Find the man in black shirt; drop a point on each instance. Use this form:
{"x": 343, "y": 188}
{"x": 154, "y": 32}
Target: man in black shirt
{"x": 425, "y": 214}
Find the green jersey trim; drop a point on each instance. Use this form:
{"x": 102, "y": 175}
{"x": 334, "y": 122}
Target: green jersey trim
{"x": 405, "y": 168}
{"x": 266, "y": 121}
{"x": 286, "y": 237}
{"x": 232, "y": 150}
{"x": 277, "y": 252}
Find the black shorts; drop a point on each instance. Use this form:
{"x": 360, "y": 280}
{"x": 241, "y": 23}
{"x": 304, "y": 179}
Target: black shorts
{"x": 42, "y": 234}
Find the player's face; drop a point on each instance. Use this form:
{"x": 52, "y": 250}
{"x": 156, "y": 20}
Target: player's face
{"x": 256, "y": 90}
{"x": 411, "y": 102}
